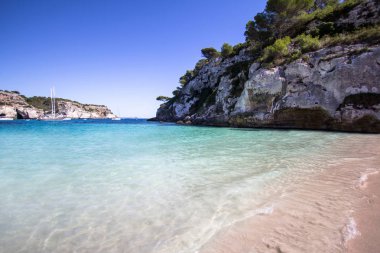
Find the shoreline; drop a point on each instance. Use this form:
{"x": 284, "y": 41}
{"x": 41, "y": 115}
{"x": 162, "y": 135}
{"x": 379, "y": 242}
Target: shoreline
{"x": 330, "y": 212}
{"x": 280, "y": 128}
{"x": 367, "y": 217}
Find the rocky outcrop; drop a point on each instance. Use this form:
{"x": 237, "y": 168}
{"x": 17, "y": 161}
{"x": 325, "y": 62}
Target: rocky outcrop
{"x": 334, "y": 88}
{"x": 14, "y": 105}
{"x": 77, "y": 110}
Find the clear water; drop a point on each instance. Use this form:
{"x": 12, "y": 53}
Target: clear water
{"x": 133, "y": 186}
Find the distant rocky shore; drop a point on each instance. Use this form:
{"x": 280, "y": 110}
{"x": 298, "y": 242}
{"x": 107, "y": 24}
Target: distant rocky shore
{"x": 16, "y": 106}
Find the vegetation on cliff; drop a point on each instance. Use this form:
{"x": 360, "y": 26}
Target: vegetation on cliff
{"x": 286, "y": 30}
{"x": 44, "y": 103}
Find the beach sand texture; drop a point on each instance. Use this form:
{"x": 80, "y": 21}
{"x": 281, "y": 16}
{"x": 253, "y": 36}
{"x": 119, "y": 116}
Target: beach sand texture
{"x": 336, "y": 211}
{"x": 368, "y": 217}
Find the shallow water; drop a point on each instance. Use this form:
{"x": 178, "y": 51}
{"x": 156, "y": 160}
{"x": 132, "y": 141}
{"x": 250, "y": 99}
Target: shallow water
{"x": 133, "y": 186}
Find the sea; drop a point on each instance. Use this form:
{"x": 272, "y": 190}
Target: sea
{"x": 135, "y": 186}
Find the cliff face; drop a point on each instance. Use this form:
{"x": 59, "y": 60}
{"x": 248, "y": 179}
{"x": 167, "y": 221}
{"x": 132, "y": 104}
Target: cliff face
{"x": 73, "y": 109}
{"x": 14, "y": 105}
{"x": 334, "y": 88}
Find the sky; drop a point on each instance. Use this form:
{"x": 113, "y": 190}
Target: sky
{"x": 119, "y": 53}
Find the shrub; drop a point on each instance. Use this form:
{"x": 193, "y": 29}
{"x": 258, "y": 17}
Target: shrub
{"x": 185, "y": 79}
{"x": 307, "y": 43}
{"x": 277, "y": 51}
{"x": 40, "y": 102}
{"x": 238, "y": 47}
{"x": 199, "y": 65}
{"x": 176, "y": 92}
{"x": 227, "y": 50}
{"x": 332, "y": 10}
{"x": 295, "y": 55}
{"x": 325, "y": 28}
{"x": 369, "y": 34}
{"x": 320, "y": 4}
{"x": 162, "y": 98}
{"x": 210, "y": 53}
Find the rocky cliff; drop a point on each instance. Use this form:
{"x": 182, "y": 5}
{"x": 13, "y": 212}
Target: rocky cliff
{"x": 336, "y": 87}
{"x": 14, "y": 105}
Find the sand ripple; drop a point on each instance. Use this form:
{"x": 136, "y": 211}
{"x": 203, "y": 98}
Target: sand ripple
{"x": 313, "y": 216}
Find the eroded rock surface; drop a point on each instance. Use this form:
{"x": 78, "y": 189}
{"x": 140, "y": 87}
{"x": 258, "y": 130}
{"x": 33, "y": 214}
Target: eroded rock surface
{"x": 335, "y": 88}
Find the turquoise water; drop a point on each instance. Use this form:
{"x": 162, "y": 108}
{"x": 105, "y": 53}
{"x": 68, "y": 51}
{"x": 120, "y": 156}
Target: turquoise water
{"x": 133, "y": 186}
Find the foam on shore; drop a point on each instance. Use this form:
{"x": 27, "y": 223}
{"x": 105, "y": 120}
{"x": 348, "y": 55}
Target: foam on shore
{"x": 367, "y": 217}
{"x": 350, "y": 231}
{"x": 362, "y": 183}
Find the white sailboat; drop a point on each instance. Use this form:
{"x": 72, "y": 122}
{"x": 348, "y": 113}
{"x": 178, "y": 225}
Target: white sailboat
{"x": 53, "y": 116}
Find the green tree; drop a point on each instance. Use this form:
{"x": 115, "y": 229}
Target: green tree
{"x": 285, "y": 11}
{"x": 227, "y": 50}
{"x": 288, "y": 8}
{"x": 261, "y": 29}
{"x": 210, "y": 53}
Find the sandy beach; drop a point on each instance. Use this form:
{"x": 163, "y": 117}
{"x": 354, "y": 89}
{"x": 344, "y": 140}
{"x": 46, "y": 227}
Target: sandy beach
{"x": 368, "y": 218}
{"x": 335, "y": 211}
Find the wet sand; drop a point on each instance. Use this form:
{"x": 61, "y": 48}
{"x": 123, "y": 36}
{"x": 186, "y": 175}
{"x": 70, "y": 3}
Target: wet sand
{"x": 337, "y": 210}
{"x": 368, "y": 218}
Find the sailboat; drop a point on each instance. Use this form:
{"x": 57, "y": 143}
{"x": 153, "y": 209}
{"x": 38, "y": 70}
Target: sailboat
{"x": 53, "y": 116}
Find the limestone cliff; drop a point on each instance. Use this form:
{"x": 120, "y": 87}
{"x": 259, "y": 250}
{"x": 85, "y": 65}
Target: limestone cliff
{"x": 333, "y": 88}
{"x": 14, "y": 105}
{"x": 74, "y": 109}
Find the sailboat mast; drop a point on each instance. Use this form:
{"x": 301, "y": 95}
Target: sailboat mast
{"x": 51, "y": 98}
{"x": 53, "y": 102}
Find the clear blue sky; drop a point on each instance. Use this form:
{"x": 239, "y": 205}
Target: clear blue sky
{"x": 120, "y": 53}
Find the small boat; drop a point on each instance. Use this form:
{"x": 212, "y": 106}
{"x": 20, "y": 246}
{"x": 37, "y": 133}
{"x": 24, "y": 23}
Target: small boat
{"x": 117, "y": 118}
{"x": 5, "y": 118}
